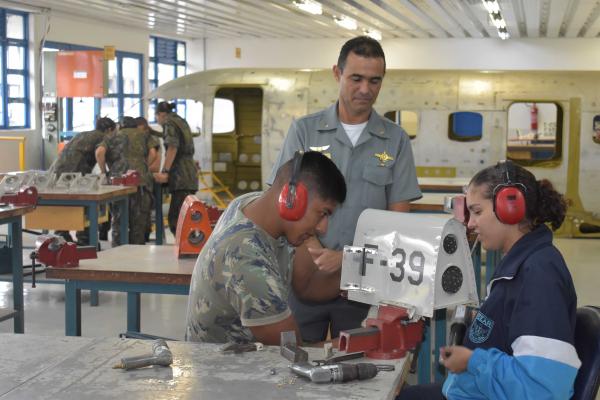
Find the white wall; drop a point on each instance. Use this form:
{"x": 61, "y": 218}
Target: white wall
{"x": 86, "y": 32}
{"x": 437, "y": 54}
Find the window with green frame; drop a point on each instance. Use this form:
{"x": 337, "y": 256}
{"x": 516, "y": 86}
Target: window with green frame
{"x": 167, "y": 62}
{"x": 125, "y": 92}
{"x": 14, "y": 78}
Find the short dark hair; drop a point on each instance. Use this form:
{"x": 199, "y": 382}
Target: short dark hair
{"x": 141, "y": 121}
{"x": 319, "y": 174}
{"x": 363, "y": 46}
{"x": 165, "y": 106}
{"x": 542, "y": 202}
{"x": 128, "y": 122}
{"x": 104, "y": 124}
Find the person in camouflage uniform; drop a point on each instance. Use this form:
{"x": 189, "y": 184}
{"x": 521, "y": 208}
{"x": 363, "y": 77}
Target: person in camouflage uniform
{"x": 153, "y": 165}
{"x": 131, "y": 148}
{"x": 78, "y": 156}
{"x": 243, "y": 274}
{"x": 179, "y": 169}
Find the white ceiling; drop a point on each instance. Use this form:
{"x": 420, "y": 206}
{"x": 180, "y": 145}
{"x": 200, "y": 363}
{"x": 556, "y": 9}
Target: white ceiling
{"x": 281, "y": 19}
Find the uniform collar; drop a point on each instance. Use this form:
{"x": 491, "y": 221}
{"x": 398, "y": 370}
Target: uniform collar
{"x": 329, "y": 121}
{"x": 509, "y": 265}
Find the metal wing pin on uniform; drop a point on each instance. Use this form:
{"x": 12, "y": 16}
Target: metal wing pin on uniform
{"x": 383, "y": 158}
{"x": 322, "y": 150}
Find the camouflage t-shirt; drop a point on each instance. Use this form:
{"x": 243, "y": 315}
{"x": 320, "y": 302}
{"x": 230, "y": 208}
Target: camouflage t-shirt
{"x": 242, "y": 278}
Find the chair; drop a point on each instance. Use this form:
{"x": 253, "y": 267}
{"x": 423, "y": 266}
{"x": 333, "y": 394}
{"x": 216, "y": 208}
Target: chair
{"x": 587, "y": 344}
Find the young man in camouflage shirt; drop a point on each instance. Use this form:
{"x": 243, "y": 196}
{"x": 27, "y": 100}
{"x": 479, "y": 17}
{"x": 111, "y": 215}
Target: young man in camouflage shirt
{"x": 243, "y": 275}
{"x": 135, "y": 149}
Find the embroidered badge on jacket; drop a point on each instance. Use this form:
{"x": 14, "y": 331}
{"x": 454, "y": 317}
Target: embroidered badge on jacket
{"x": 481, "y": 328}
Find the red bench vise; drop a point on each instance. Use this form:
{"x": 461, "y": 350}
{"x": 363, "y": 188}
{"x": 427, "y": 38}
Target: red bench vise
{"x": 389, "y": 336}
{"x": 26, "y": 196}
{"x": 54, "y": 251}
{"x": 193, "y": 227}
{"x": 129, "y": 178}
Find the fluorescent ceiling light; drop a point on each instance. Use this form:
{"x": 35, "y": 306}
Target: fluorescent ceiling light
{"x": 491, "y": 6}
{"x": 373, "y": 33}
{"x": 309, "y": 6}
{"x": 346, "y": 22}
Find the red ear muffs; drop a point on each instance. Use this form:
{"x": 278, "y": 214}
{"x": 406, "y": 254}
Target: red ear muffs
{"x": 293, "y": 200}
{"x": 509, "y": 204}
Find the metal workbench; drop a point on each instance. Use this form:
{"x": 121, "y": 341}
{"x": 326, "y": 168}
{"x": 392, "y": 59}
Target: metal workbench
{"x": 36, "y": 367}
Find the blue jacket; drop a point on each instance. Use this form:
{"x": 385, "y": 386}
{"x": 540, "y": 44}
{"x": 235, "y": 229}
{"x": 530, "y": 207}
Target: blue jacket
{"x": 522, "y": 336}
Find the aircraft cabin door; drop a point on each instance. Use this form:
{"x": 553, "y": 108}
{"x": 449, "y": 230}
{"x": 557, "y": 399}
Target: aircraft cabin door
{"x": 237, "y": 135}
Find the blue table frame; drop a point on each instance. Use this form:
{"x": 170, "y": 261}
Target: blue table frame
{"x": 133, "y": 290}
{"x": 158, "y": 213}
{"x": 13, "y": 217}
{"x": 90, "y": 201}
{"x": 134, "y": 269}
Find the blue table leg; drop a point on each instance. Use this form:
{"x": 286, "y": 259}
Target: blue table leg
{"x": 440, "y": 340}
{"x": 123, "y": 205}
{"x": 92, "y": 211}
{"x": 14, "y": 232}
{"x": 133, "y": 312}
{"x": 476, "y": 258}
{"x": 158, "y": 213}
{"x": 424, "y": 363}
{"x": 72, "y": 309}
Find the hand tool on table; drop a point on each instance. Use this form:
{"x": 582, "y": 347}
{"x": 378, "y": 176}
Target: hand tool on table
{"x": 237, "y": 348}
{"x": 161, "y": 355}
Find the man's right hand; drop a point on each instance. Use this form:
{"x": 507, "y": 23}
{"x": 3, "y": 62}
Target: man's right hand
{"x": 161, "y": 177}
{"x": 326, "y": 260}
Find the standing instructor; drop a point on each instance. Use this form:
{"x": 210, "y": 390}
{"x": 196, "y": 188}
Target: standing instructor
{"x": 375, "y": 157}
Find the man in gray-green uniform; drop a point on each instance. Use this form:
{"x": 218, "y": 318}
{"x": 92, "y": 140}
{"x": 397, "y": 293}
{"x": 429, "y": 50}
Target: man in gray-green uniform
{"x": 375, "y": 157}
{"x": 179, "y": 169}
{"x": 130, "y": 149}
{"x": 242, "y": 278}
{"x": 78, "y": 156}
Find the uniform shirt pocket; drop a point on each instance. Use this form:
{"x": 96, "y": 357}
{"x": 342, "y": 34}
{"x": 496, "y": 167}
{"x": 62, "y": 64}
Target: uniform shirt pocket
{"x": 375, "y": 180}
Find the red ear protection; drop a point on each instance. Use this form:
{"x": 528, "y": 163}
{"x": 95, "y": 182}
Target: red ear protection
{"x": 293, "y": 198}
{"x": 509, "y": 198}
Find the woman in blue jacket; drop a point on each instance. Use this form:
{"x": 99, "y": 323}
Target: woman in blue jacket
{"x": 520, "y": 344}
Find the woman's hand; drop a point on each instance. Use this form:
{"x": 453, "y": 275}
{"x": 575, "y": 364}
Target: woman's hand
{"x": 455, "y": 358}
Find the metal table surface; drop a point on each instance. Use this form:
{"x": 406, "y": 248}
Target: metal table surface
{"x": 12, "y": 216}
{"x": 37, "y": 367}
{"x": 134, "y": 269}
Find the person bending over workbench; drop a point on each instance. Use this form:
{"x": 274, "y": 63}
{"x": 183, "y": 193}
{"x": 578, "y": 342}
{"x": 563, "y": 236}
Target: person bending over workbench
{"x": 243, "y": 275}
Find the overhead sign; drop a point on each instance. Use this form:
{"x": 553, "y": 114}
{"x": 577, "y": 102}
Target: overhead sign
{"x": 80, "y": 73}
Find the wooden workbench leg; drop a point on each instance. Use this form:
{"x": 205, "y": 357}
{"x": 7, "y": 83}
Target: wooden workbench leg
{"x": 133, "y": 312}
{"x": 16, "y": 255}
{"x": 72, "y": 309}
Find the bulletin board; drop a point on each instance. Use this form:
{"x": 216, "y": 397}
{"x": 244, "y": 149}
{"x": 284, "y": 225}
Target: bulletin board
{"x": 80, "y": 73}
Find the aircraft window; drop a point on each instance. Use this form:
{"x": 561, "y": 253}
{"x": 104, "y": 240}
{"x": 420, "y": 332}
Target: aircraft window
{"x": 223, "y": 116}
{"x": 195, "y": 115}
{"x": 596, "y": 135}
{"x": 408, "y": 120}
{"x": 465, "y": 126}
{"x": 534, "y": 132}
